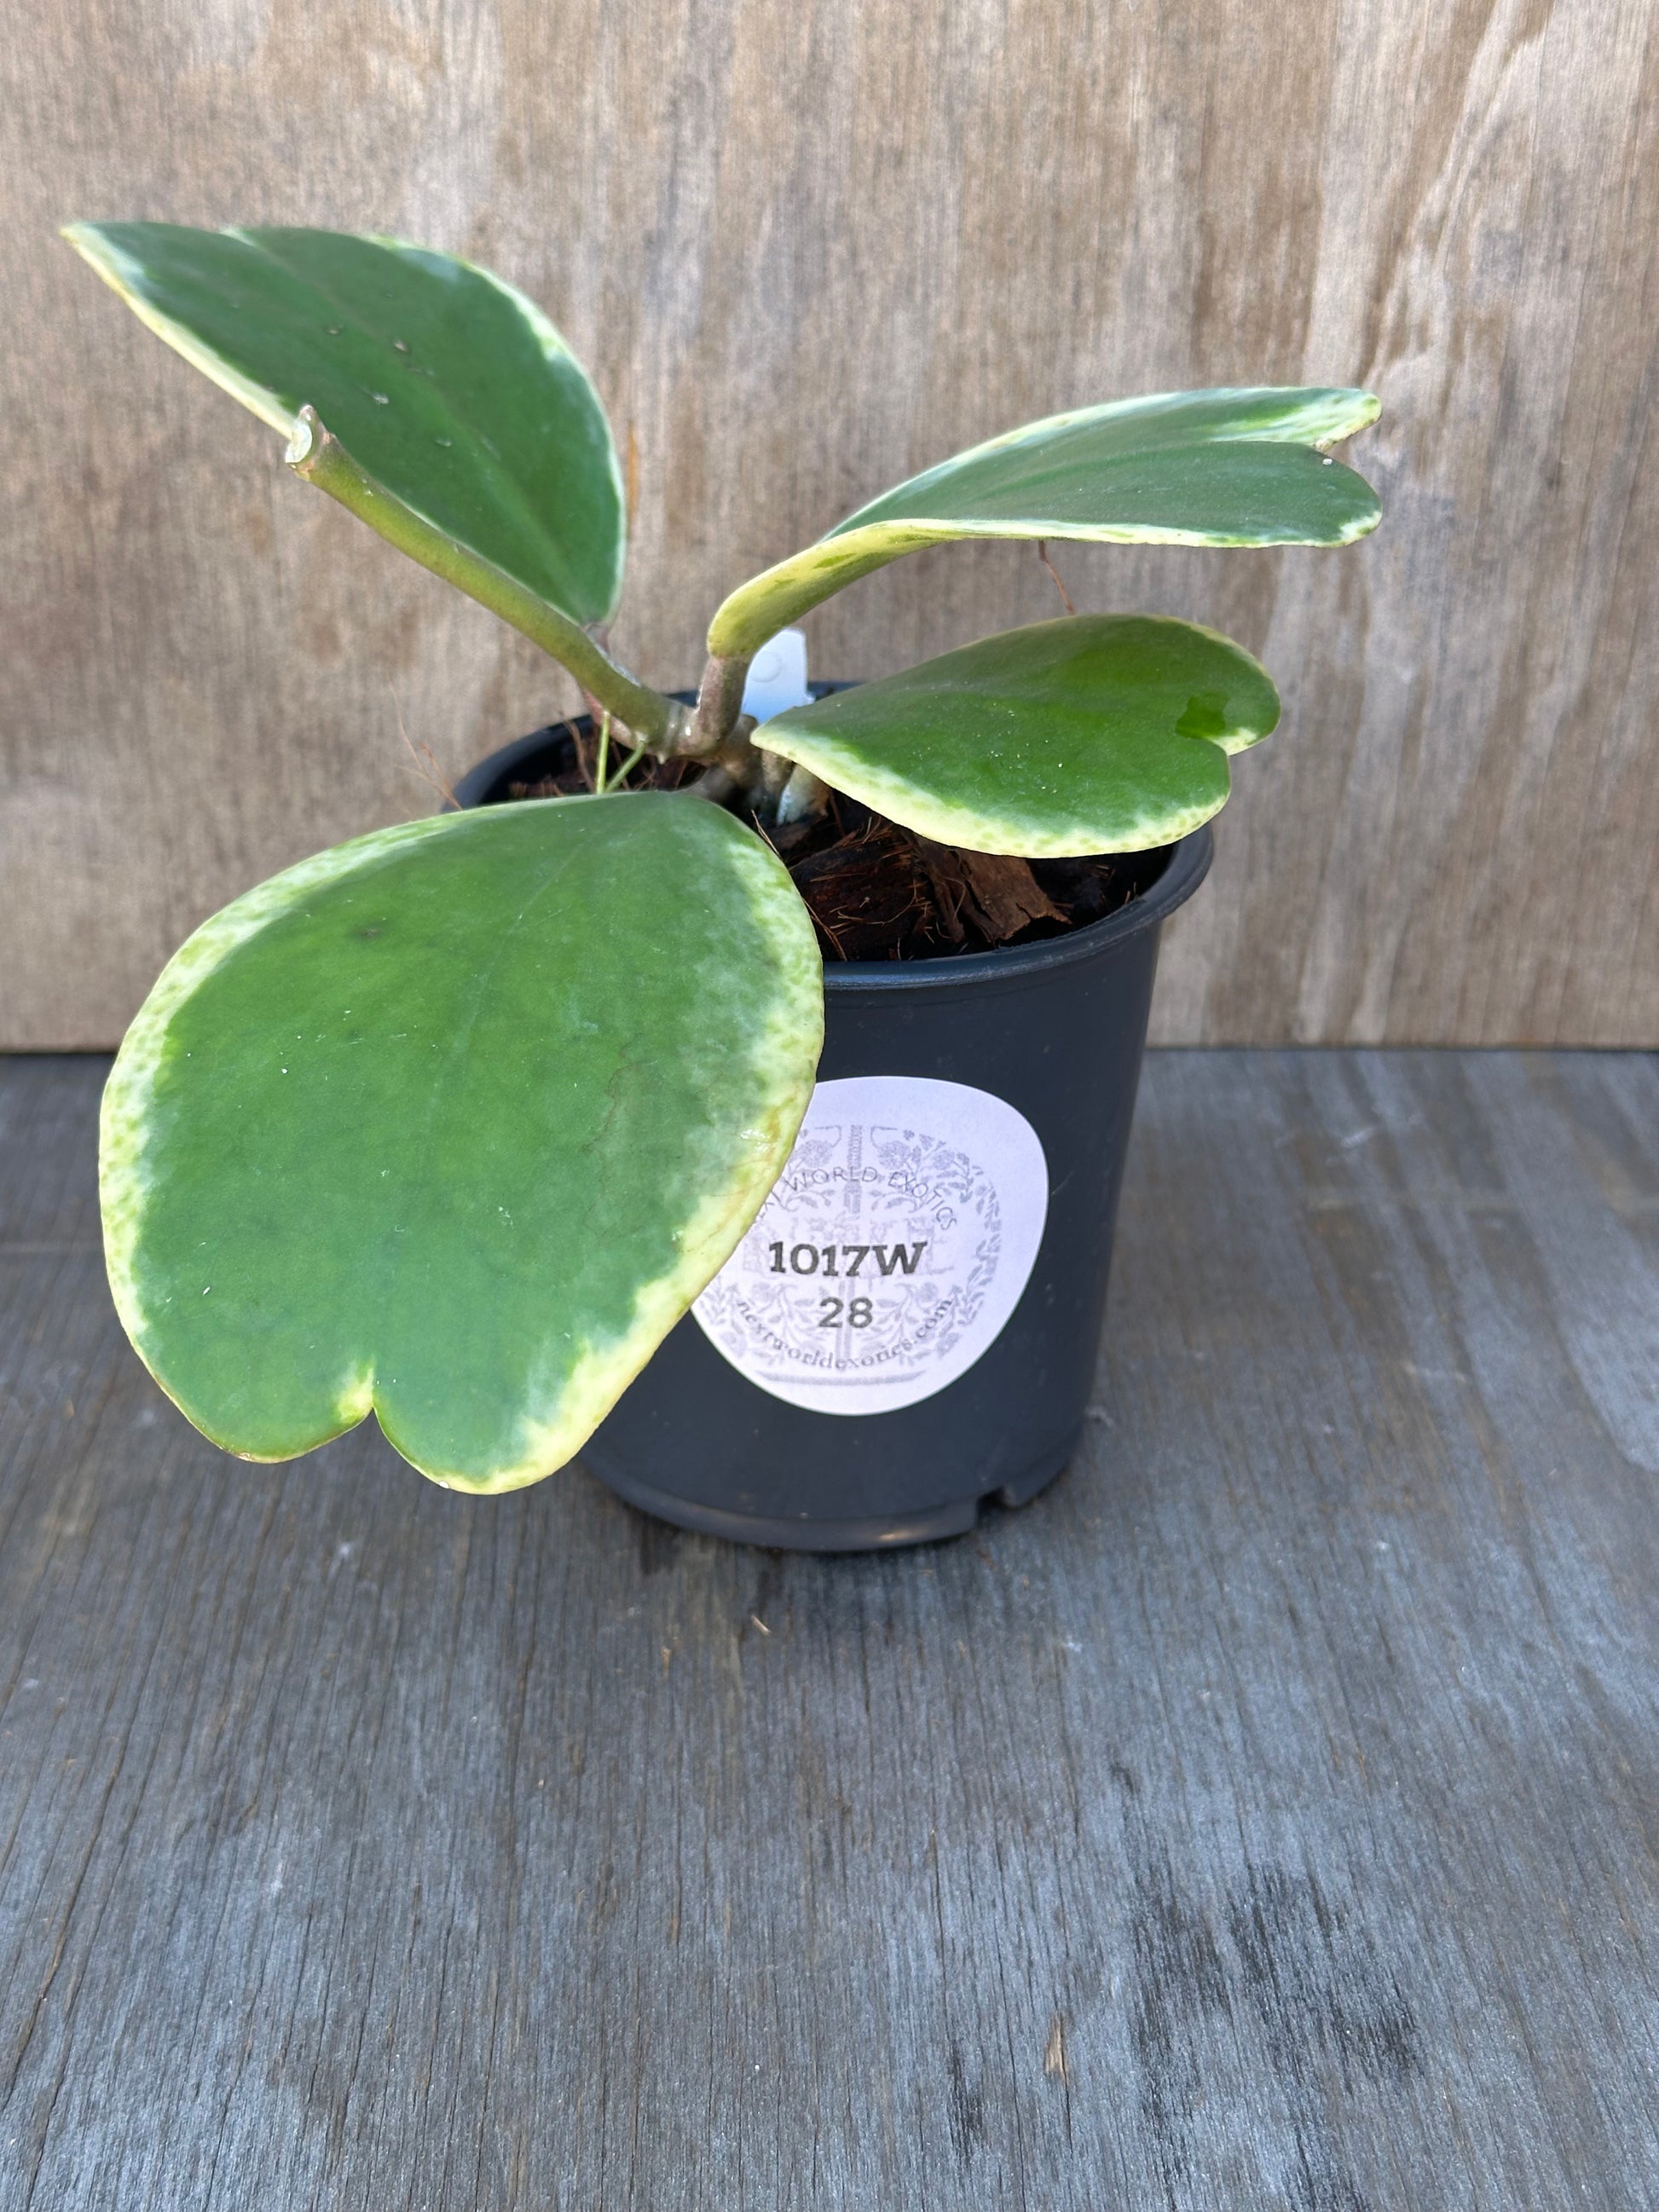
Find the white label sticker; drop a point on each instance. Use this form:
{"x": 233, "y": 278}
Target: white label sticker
{"x": 891, "y": 1251}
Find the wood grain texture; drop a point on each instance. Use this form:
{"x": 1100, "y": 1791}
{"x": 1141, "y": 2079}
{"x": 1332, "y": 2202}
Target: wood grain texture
{"x": 806, "y": 251}
{"x": 1267, "y": 1818}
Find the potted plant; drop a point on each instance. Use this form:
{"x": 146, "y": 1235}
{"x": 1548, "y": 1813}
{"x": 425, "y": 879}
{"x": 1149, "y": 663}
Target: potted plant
{"x": 465, "y": 1121}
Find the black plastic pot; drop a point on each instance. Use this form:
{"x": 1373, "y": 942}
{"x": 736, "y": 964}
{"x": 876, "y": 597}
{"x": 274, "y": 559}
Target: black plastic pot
{"x": 1055, "y": 1031}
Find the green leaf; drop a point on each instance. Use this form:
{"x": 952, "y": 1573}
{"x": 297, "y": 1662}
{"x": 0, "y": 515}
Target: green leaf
{"x": 449, "y": 389}
{"x": 1101, "y": 733}
{"x": 453, "y": 1122}
{"x": 1179, "y": 468}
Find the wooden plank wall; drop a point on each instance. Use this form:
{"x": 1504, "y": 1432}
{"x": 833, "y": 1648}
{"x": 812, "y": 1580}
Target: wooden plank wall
{"x": 807, "y": 249}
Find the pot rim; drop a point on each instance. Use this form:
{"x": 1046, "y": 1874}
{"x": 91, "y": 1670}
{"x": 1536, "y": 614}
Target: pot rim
{"x": 1187, "y": 865}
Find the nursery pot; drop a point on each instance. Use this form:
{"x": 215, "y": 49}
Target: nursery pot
{"x": 911, "y": 1326}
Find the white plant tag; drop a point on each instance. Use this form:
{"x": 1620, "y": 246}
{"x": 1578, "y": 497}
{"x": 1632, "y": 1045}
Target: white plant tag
{"x": 777, "y": 676}
{"x": 891, "y": 1251}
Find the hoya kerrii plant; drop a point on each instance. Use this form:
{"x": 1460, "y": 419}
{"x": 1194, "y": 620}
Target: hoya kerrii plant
{"x": 454, "y": 1121}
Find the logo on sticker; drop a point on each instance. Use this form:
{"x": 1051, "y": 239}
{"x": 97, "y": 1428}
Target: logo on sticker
{"x": 891, "y": 1251}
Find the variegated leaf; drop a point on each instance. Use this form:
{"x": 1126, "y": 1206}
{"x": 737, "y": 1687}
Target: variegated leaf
{"x": 1101, "y": 733}
{"x": 449, "y": 390}
{"x": 453, "y": 1123}
{"x": 1180, "y": 468}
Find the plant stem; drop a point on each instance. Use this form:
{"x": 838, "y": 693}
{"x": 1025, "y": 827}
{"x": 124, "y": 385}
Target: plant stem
{"x": 720, "y": 704}
{"x": 658, "y": 723}
{"x": 603, "y": 757}
{"x": 722, "y": 734}
{"x": 626, "y": 768}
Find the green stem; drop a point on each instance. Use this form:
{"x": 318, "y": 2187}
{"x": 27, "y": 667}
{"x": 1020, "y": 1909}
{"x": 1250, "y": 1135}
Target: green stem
{"x": 654, "y": 721}
{"x": 627, "y": 768}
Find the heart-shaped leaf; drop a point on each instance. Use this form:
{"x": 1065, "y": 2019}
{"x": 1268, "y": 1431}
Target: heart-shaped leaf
{"x": 1101, "y": 733}
{"x": 450, "y": 390}
{"x": 454, "y": 1123}
{"x": 1179, "y": 468}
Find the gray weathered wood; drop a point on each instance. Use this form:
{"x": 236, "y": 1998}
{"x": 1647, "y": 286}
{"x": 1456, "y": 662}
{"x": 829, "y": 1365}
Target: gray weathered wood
{"x": 1266, "y": 1818}
{"x": 807, "y": 249}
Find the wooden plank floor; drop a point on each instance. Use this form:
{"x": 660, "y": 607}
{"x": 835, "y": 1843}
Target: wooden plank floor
{"x": 1266, "y": 1817}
